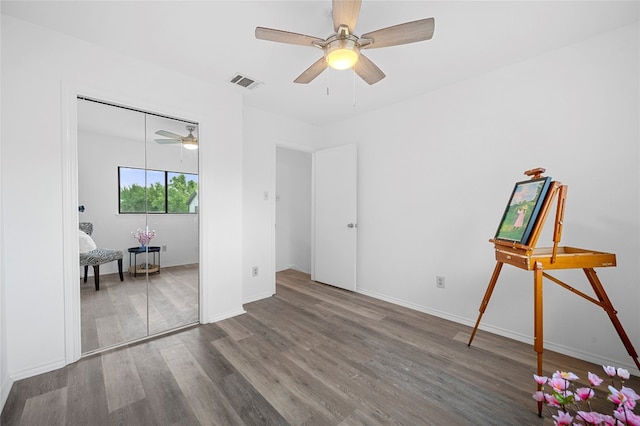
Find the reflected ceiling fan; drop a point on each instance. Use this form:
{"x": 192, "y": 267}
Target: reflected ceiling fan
{"x": 189, "y": 141}
{"x": 342, "y": 49}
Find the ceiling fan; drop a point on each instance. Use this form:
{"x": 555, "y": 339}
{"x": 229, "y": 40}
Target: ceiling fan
{"x": 189, "y": 141}
{"x": 342, "y": 49}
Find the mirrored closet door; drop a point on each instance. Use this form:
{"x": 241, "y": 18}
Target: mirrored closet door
{"x": 138, "y": 197}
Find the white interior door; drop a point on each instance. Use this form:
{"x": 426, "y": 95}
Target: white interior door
{"x": 335, "y": 216}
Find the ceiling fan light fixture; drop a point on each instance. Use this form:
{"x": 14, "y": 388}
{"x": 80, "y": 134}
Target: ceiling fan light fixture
{"x": 190, "y": 144}
{"x": 342, "y": 54}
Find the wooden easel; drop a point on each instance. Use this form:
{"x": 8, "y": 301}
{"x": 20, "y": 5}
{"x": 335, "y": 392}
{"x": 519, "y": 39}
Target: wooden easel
{"x": 534, "y": 259}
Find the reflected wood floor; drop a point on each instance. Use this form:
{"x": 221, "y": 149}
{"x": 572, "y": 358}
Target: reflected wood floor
{"x": 312, "y": 354}
{"x": 118, "y": 312}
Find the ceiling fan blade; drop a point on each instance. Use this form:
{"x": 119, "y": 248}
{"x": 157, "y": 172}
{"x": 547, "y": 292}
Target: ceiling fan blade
{"x": 312, "y": 72}
{"x": 367, "y": 70}
{"x": 409, "y": 32}
{"x": 345, "y": 12}
{"x": 167, "y": 141}
{"x": 168, "y": 134}
{"x": 285, "y": 37}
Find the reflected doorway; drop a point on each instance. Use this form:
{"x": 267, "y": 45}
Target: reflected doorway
{"x": 138, "y": 187}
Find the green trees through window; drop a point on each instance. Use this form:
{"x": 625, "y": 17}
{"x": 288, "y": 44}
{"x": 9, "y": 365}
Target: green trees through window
{"x": 157, "y": 191}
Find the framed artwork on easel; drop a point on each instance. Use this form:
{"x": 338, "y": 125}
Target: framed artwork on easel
{"x": 522, "y": 210}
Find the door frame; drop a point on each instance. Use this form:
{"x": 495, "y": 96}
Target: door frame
{"x": 301, "y": 148}
{"x": 313, "y": 203}
{"x": 70, "y": 215}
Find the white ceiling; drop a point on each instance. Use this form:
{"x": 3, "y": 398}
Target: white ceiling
{"x": 213, "y": 40}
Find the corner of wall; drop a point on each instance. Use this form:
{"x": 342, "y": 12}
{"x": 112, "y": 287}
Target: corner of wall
{"x": 5, "y": 381}
{"x": 7, "y": 384}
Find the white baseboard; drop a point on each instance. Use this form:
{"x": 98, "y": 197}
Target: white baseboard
{"x": 585, "y": 356}
{"x": 44, "y": 368}
{"x": 9, "y": 381}
{"x": 4, "y": 392}
{"x": 415, "y": 307}
{"x": 226, "y": 315}
{"x": 589, "y": 357}
{"x": 257, "y": 297}
{"x": 283, "y": 268}
{"x": 294, "y": 267}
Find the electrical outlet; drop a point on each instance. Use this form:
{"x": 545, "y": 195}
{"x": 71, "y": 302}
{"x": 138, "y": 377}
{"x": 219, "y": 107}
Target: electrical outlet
{"x": 254, "y": 271}
{"x": 440, "y": 282}
{"x": 164, "y": 248}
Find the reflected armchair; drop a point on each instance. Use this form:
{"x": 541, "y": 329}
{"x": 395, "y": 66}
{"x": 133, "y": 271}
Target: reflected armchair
{"x": 97, "y": 257}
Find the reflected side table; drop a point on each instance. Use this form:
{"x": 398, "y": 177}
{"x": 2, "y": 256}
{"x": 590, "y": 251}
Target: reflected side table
{"x": 152, "y": 267}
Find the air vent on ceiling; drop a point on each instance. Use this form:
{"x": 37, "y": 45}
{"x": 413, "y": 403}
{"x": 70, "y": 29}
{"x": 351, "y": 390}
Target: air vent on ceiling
{"x": 244, "y": 81}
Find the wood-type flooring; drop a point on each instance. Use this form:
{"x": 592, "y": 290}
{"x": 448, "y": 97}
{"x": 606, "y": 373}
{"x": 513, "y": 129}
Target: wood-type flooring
{"x": 312, "y": 354}
{"x": 123, "y": 311}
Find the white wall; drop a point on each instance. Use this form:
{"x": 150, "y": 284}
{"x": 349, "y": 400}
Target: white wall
{"x": 37, "y": 64}
{"x": 293, "y": 210}
{"x": 262, "y": 132}
{"x": 435, "y": 174}
{"x": 5, "y": 382}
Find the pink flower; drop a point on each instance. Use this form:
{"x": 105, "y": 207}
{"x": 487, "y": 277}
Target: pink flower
{"x": 559, "y": 384}
{"x": 623, "y": 374}
{"x": 584, "y": 393}
{"x": 144, "y": 237}
{"x": 627, "y": 417}
{"x": 541, "y": 380}
{"x": 633, "y": 419}
{"x": 631, "y": 396}
{"x": 551, "y": 400}
{"x": 594, "y": 380}
{"x": 564, "y": 375}
{"x": 563, "y": 418}
{"x": 538, "y": 396}
{"x": 616, "y": 396}
{"x": 592, "y": 417}
{"x": 562, "y": 397}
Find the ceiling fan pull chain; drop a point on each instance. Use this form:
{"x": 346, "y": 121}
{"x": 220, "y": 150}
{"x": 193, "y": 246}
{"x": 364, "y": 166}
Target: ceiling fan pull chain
{"x": 326, "y": 80}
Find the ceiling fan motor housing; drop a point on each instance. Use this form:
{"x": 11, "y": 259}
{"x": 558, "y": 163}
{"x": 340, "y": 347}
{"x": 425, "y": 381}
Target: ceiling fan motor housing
{"x": 341, "y": 52}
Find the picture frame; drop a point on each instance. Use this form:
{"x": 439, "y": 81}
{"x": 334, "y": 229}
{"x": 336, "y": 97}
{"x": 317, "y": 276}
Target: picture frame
{"x": 521, "y": 213}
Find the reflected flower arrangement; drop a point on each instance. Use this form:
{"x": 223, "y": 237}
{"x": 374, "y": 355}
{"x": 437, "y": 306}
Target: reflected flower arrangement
{"x": 143, "y": 237}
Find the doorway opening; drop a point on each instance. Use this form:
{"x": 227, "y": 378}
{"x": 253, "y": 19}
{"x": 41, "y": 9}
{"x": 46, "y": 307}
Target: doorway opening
{"x": 293, "y": 209}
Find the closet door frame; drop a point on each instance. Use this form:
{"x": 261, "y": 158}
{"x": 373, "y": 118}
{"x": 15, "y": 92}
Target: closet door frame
{"x": 70, "y": 247}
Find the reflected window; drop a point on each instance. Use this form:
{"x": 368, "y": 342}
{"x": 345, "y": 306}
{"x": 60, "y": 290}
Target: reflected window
{"x": 157, "y": 191}
{"x": 182, "y": 193}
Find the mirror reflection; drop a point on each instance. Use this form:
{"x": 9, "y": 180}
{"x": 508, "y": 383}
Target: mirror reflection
{"x": 138, "y": 188}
